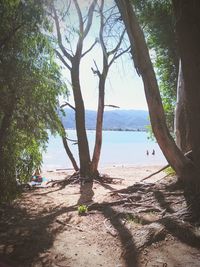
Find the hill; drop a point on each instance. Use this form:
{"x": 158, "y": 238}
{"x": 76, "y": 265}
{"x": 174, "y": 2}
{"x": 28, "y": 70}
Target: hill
{"x": 113, "y": 119}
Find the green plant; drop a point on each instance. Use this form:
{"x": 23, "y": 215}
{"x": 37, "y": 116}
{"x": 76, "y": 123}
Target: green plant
{"x": 170, "y": 171}
{"x": 82, "y": 209}
{"x": 133, "y": 218}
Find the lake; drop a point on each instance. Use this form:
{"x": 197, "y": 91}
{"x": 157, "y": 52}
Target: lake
{"x": 119, "y": 148}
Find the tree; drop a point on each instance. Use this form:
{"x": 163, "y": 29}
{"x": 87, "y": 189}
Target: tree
{"x": 144, "y": 67}
{"x": 88, "y": 167}
{"x": 109, "y": 23}
{"x": 187, "y": 30}
{"x": 72, "y": 63}
{"x": 30, "y": 85}
{"x": 157, "y": 20}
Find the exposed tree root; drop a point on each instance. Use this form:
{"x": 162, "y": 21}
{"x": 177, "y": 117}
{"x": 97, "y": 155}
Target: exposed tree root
{"x": 76, "y": 178}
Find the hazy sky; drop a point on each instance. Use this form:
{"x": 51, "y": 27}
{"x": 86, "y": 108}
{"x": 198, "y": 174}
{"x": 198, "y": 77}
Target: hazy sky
{"x": 123, "y": 86}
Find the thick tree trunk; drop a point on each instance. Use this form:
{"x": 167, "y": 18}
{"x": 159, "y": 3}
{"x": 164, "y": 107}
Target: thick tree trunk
{"x": 181, "y": 121}
{"x": 144, "y": 67}
{"x": 83, "y": 147}
{"x": 99, "y": 124}
{"x": 188, "y": 30}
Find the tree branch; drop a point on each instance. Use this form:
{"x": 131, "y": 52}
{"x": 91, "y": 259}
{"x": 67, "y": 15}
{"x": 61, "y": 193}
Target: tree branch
{"x": 97, "y": 69}
{"x": 101, "y": 30}
{"x": 90, "y": 17}
{"x": 62, "y": 59}
{"x": 118, "y": 45}
{"x": 87, "y": 51}
{"x": 118, "y": 55}
{"x": 112, "y": 106}
{"x": 59, "y": 37}
{"x": 67, "y": 104}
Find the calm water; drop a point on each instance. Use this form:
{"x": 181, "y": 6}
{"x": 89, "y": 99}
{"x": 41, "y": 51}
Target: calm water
{"x": 119, "y": 148}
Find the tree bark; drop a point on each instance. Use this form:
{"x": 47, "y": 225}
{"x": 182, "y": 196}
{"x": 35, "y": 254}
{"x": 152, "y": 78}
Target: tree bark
{"x": 99, "y": 123}
{"x": 83, "y": 147}
{"x": 68, "y": 151}
{"x": 181, "y": 120}
{"x": 144, "y": 67}
{"x": 188, "y": 30}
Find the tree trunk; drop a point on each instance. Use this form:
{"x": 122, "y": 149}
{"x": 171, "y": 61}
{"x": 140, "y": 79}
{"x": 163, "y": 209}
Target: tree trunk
{"x": 181, "y": 121}
{"x": 99, "y": 123}
{"x": 68, "y": 151}
{"x": 83, "y": 147}
{"x": 188, "y": 30}
{"x": 144, "y": 67}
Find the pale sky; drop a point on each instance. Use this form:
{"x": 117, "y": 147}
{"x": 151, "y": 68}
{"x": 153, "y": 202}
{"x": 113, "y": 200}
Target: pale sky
{"x": 123, "y": 86}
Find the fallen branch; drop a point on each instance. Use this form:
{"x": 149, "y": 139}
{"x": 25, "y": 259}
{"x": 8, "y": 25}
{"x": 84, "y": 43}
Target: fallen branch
{"x": 187, "y": 154}
{"x": 149, "y": 176}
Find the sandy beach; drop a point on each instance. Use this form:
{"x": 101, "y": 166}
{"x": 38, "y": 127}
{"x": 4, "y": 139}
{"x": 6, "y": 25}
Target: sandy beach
{"x": 43, "y": 227}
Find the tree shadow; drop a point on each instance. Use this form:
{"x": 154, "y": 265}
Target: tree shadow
{"x": 129, "y": 254}
{"x": 160, "y": 197}
{"x": 183, "y": 231}
{"x": 24, "y": 238}
{"x": 107, "y": 186}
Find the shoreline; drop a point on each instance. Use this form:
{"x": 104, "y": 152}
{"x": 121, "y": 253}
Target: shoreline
{"x": 109, "y": 166}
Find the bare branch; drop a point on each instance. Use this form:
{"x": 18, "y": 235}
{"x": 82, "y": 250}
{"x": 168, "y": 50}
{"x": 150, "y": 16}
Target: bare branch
{"x": 97, "y": 69}
{"x": 90, "y": 17}
{"x": 71, "y": 140}
{"x": 67, "y": 10}
{"x": 79, "y": 17}
{"x": 118, "y": 45}
{"x": 87, "y": 51}
{"x": 62, "y": 59}
{"x": 101, "y": 30}
{"x": 118, "y": 55}
{"x": 67, "y": 104}
{"x": 111, "y": 106}
{"x": 59, "y": 37}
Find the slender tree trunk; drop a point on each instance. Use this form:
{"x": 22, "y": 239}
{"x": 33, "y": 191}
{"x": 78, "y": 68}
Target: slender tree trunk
{"x": 68, "y": 151}
{"x": 181, "y": 121}
{"x": 144, "y": 67}
{"x": 83, "y": 147}
{"x": 188, "y": 30}
{"x": 99, "y": 123}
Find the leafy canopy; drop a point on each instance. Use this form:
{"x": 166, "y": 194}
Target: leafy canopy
{"x": 29, "y": 90}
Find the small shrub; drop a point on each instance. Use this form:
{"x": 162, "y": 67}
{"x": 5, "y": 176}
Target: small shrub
{"x": 170, "y": 171}
{"x": 82, "y": 209}
{"x": 133, "y": 218}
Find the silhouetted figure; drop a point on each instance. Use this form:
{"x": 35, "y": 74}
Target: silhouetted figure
{"x": 147, "y": 152}
{"x": 153, "y": 152}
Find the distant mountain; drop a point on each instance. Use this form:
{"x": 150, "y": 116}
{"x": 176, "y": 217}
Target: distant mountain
{"x": 113, "y": 119}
